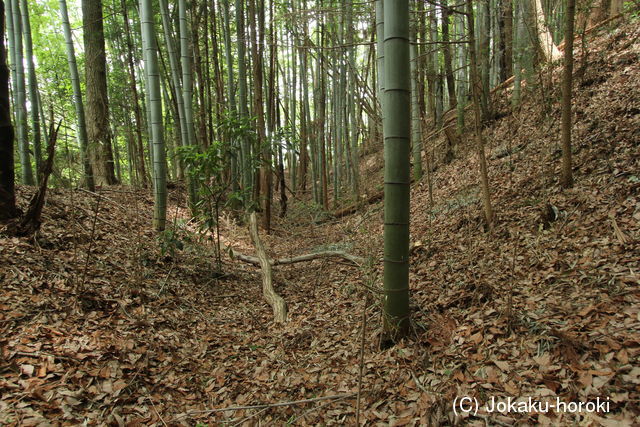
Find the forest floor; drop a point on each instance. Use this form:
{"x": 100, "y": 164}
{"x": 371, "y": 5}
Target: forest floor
{"x": 102, "y": 322}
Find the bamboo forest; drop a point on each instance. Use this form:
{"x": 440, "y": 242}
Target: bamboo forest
{"x": 319, "y": 212}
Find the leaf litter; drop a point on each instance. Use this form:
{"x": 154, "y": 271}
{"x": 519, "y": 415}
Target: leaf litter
{"x": 105, "y": 328}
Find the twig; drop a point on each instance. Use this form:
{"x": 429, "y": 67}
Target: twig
{"x": 156, "y": 411}
{"x": 93, "y": 232}
{"x": 103, "y": 197}
{"x": 419, "y": 383}
{"x": 316, "y": 409}
{"x": 566, "y": 220}
{"x": 166, "y": 279}
{"x": 249, "y": 417}
{"x": 362, "y": 339}
{"x": 266, "y": 405}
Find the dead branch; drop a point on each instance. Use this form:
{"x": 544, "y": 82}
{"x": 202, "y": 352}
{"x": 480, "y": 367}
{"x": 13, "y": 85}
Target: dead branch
{"x": 359, "y": 261}
{"x": 276, "y": 302}
{"x": 30, "y": 222}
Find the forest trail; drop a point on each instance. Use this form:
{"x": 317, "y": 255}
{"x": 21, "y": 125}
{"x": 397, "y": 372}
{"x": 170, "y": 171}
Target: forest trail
{"x": 102, "y": 322}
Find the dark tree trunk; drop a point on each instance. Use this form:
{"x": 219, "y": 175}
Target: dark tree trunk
{"x": 257, "y": 41}
{"x": 97, "y": 106}
{"x": 451, "y": 88}
{"x": 7, "y": 175}
{"x": 566, "y": 180}
{"x": 139, "y": 150}
{"x": 506, "y": 39}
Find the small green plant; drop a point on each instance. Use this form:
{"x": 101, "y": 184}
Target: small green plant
{"x": 170, "y": 243}
{"x": 206, "y": 170}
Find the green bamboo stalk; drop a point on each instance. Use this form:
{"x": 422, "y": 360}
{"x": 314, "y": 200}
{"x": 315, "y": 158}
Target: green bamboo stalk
{"x": 380, "y": 52}
{"x": 416, "y": 131}
{"x": 20, "y": 105}
{"x": 245, "y": 144}
{"x": 155, "y": 106}
{"x": 175, "y": 69}
{"x": 34, "y": 99}
{"x": 397, "y": 125}
{"x": 77, "y": 98}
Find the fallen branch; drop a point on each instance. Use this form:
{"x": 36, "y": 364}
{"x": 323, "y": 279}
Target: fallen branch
{"x": 276, "y": 302}
{"x": 354, "y": 259}
{"x": 354, "y": 208}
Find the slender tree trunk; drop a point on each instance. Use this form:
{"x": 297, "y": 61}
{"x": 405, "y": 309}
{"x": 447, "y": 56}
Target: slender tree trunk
{"x": 380, "y": 54}
{"x": 7, "y": 174}
{"x": 462, "y": 73}
{"x": 320, "y": 118}
{"x": 21, "y": 107}
{"x": 517, "y": 53}
{"x": 34, "y": 98}
{"x": 567, "y": 80}
{"x": 292, "y": 114}
{"x": 431, "y": 60}
{"x": 139, "y": 147}
{"x": 397, "y": 179}
{"x": 353, "y": 120}
{"x": 155, "y": 105}
{"x": 97, "y": 107}
{"x": 483, "y": 57}
{"x": 198, "y": 84}
{"x": 448, "y": 66}
{"x": 187, "y": 93}
{"x": 507, "y": 38}
{"x": 247, "y": 179}
{"x": 476, "y": 88}
{"x": 116, "y": 152}
{"x": 416, "y": 131}
{"x": 231, "y": 98}
{"x": 304, "y": 121}
{"x": 77, "y": 98}
{"x": 174, "y": 65}
{"x": 265, "y": 166}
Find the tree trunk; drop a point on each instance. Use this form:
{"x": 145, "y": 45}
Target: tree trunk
{"x": 547, "y": 45}
{"x": 446, "y": 47}
{"x": 476, "y": 88}
{"x": 462, "y": 73}
{"x": 97, "y": 107}
{"x": 265, "y": 165}
{"x": 34, "y": 98}
{"x": 483, "y": 58}
{"x": 353, "y": 120}
{"x": 245, "y": 144}
{"x": 187, "y": 94}
{"x": 138, "y": 148}
{"x": 304, "y": 121}
{"x": 77, "y": 98}
{"x": 416, "y": 122}
{"x": 517, "y": 53}
{"x": 175, "y": 76}
{"x": 380, "y": 53}
{"x": 507, "y": 39}
{"x": 20, "y": 96}
{"x": 7, "y": 175}
{"x": 155, "y": 107}
{"x": 567, "y": 80}
{"x": 397, "y": 178}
